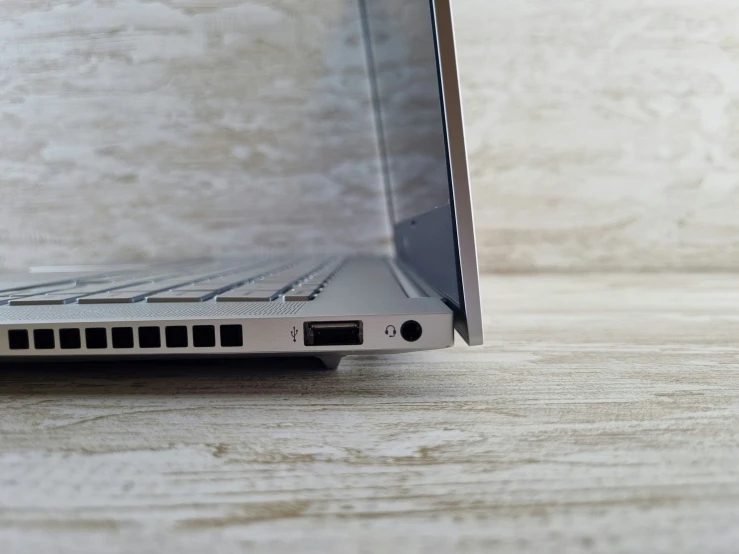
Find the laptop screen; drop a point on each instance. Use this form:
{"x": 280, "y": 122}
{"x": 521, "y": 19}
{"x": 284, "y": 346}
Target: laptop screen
{"x": 402, "y": 53}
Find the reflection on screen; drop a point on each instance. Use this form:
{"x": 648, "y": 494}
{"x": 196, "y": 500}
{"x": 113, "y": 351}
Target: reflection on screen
{"x": 408, "y": 90}
{"x": 402, "y": 57}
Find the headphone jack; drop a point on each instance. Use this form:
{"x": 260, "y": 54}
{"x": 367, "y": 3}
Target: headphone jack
{"x": 411, "y": 330}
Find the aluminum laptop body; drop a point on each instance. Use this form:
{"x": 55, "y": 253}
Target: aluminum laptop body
{"x": 300, "y": 305}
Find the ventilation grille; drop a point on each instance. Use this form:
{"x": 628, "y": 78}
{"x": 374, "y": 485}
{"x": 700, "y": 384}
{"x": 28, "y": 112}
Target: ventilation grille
{"x": 143, "y": 310}
{"x": 141, "y": 338}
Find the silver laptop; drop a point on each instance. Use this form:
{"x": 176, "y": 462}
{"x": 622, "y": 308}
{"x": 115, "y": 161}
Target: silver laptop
{"x": 300, "y": 305}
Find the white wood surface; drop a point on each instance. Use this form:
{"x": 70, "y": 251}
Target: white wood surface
{"x": 603, "y": 133}
{"x": 601, "y": 416}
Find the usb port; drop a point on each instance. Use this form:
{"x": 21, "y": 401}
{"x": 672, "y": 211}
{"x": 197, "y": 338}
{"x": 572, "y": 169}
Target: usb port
{"x": 333, "y": 333}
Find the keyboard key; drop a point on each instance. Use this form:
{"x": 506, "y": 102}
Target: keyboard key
{"x": 207, "y": 286}
{"x": 263, "y": 287}
{"x": 312, "y": 282}
{"x": 86, "y": 289}
{"x": 217, "y": 284}
{"x": 181, "y": 296}
{"x": 37, "y": 289}
{"x": 51, "y": 299}
{"x": 114, "y": 297}
{"x": 290, "y": 277}
{"x": 168, "y": 284}
{"x": 245, "y": 296}
{"x": 300, "y": 295}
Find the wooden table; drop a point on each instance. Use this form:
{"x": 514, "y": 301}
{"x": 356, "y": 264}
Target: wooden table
{"x": 602, "y": 415}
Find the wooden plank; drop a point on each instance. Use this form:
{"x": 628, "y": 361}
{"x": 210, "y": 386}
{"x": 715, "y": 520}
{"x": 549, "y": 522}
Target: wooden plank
{"x": 602, "y": 134}
{"x": 600, "y": 416}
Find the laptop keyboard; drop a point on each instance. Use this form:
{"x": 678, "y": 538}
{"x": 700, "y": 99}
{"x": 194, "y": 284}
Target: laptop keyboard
{"x": 268, "y": 281}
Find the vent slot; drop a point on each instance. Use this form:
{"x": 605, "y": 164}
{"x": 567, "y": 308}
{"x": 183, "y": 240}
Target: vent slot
{"x": 18, "y": 339}
{"x": 70, "y": 339}
{"x": 127, "y": 338}
{"x": 43, "y": 339}
{"x": 176, "y": 336}
{"x": 150, "y": 337}
{"x": 96, "y": 338}
{"x": 232, "y": 335}
{"x": 204, "y": 336}
{"x": 122, "y": 337}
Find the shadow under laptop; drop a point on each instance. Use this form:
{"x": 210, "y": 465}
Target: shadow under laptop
{"x": 275, "y": 375}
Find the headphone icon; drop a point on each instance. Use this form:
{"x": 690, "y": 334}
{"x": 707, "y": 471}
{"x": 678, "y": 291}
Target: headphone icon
{"x": 390, "y": 331}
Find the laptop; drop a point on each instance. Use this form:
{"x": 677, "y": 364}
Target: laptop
{"x": 299, "y": 304}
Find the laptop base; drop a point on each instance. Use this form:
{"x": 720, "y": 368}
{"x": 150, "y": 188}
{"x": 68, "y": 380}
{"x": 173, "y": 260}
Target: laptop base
{"x": 364, "y": 310}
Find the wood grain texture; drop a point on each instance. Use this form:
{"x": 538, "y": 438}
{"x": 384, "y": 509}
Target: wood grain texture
{"x": 604, "y": 134}
{"x": 600, "y": 416}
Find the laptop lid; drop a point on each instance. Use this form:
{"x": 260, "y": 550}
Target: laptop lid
{"x": 419, "y": 122}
